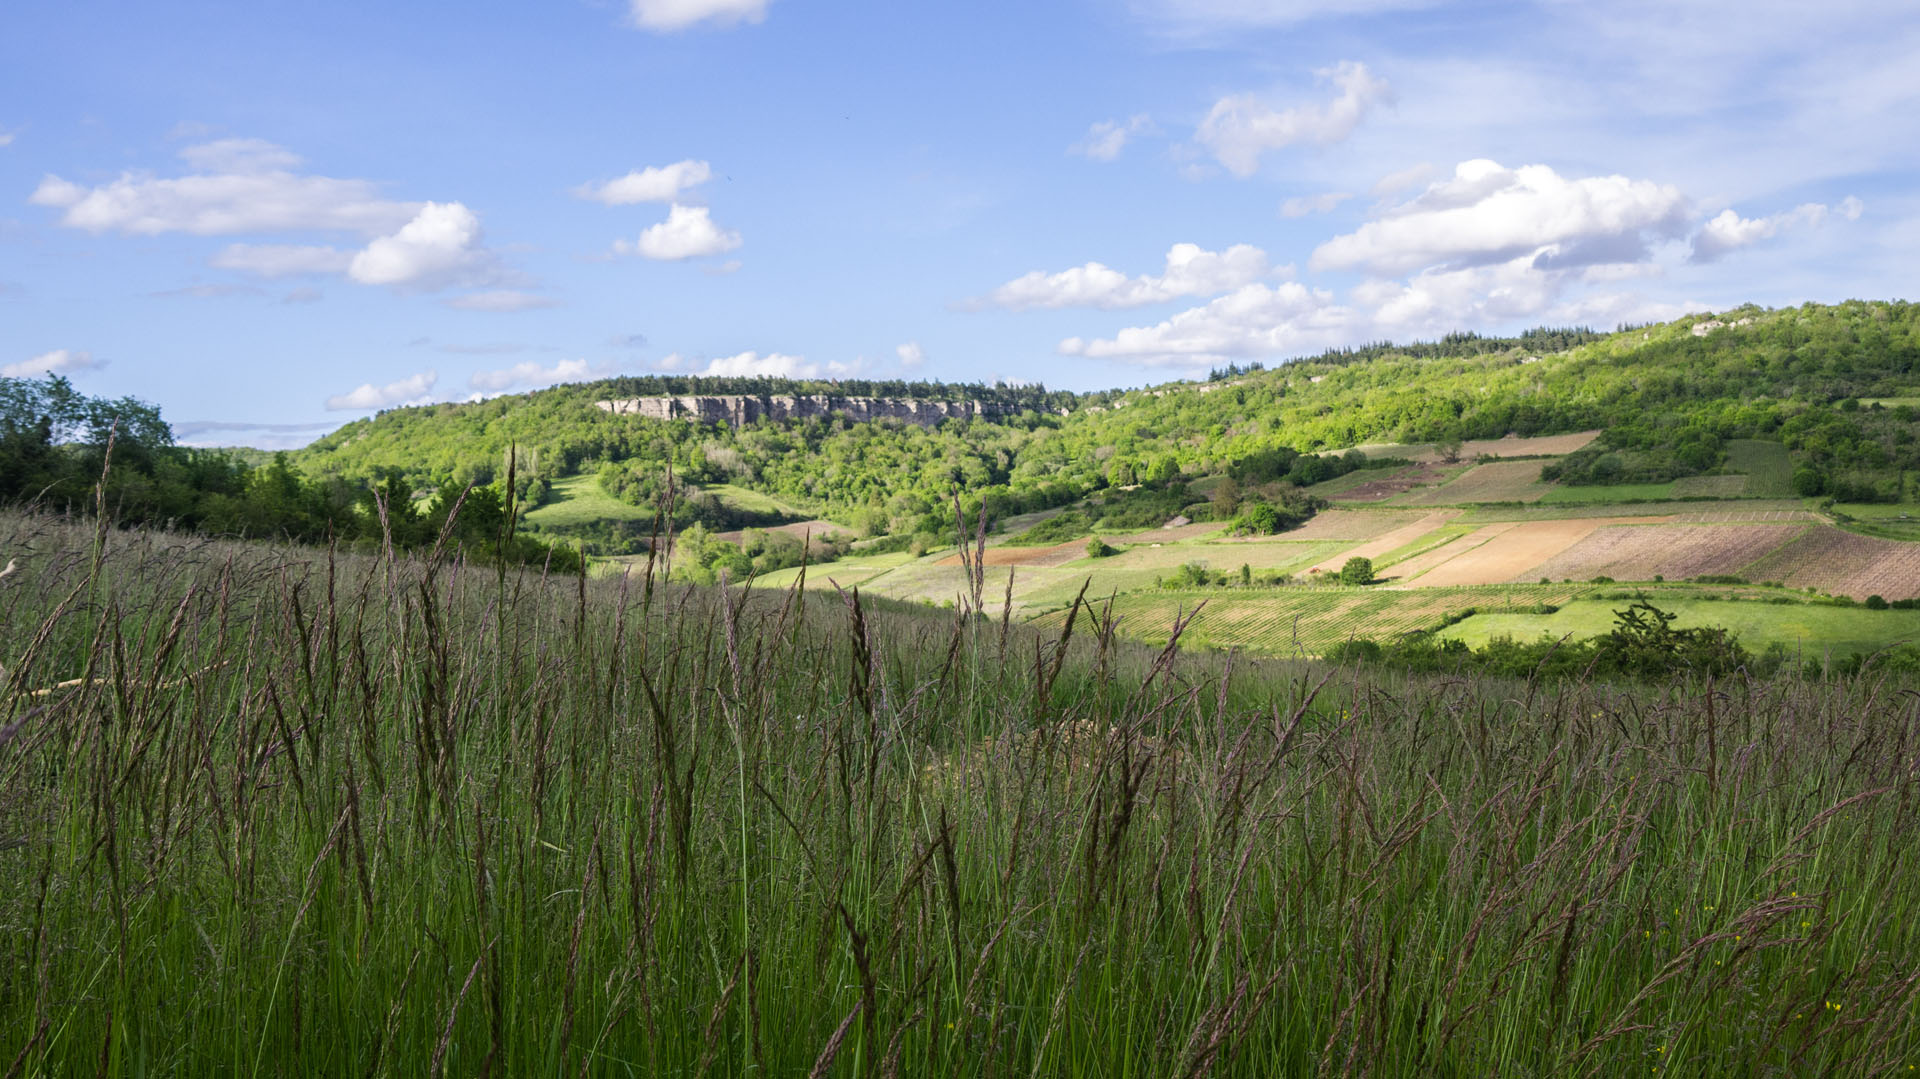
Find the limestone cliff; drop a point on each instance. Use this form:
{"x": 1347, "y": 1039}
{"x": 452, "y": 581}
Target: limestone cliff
{"x": 739, "y": 410}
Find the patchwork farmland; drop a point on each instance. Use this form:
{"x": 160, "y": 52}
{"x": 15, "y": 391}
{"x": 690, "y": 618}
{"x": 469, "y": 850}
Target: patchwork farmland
{"x": 1486, "y": 532}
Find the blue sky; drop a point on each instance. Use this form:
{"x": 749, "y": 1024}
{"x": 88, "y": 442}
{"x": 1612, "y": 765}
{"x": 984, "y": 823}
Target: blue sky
{"x": 270, "y": 218}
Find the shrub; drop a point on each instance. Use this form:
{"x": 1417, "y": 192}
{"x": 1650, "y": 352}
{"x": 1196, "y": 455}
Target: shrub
{"x": 1877, "y": 603}
{"x": 1358, "y": 570}
{"x": 1098, "y": 548}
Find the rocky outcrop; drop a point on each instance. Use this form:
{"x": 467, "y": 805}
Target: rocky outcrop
{"x": 738, "y": 410}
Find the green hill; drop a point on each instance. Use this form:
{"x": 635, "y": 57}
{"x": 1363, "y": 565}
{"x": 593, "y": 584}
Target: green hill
{"x": 1672, "y": 401}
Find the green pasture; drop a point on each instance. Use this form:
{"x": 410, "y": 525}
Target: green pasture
{"x": 1765, "y": 464}
{"x": 1609, "y": 493}
{"x": 1811, "y": 628}
{"x": 579, "y": 500}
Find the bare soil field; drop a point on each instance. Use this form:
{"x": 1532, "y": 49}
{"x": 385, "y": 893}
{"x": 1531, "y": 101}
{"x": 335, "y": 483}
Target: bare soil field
{"x": 1537, "y": 446}
{"x": 1502, "y": 481}
{"x": 1510, "y": 446}
{"x": 1844, "y": 564}
{"x": 798, "y": 530}
{"x": 1174, "y": 534}
{"x": 1338, "y": 524}
{"x": 1386, "y": 485}
{"x": 1514, "y": 552}
{"x": 1413, "y": 567}
{"x": 1638, "y": 552}
{"x": 1389, "y": 541}
{"x": 1760, "y": 513}
{"x": 1057, "y": 555}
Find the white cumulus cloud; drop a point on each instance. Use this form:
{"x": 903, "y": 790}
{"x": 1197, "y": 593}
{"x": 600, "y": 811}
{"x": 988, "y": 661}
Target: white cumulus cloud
{"x": 655, "y": 183}
{"x": 688, "y": 232}
{"x": 440, "y": 246}
{"x": 1487, "y": 213}
{"x": 532, "y": 375}
{"x": 748, "y": 364}
{"x": 1728, "y": 231}
{"x": 60, "y": 361}
{"x": 1190, "y": 271}
{"x": 412, "y": 390}
{"x": 1105, "y": 139}
{"x": 1256, "y": 320}
{"x": 669, "y": 15}
{"x": 912, "y": 356}
{"x": 1240, "y": 128}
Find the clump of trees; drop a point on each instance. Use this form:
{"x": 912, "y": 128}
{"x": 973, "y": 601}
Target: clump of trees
{"x": 64, "y": 451}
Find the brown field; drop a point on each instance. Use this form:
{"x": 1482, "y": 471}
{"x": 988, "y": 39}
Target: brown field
{"x": 1338, "y": 524}
{"x": 1638, "y": 552}
{"x": 1172, "y": 535}
{"x": 1537, "y": 446}
{"x": 1763, "y": 511}
{"x": 1502, "y": 481}
{"x": 1514, "y": 551}
{"x": 1510, "y": 446}
{"x": 1396, "y": 482}
{"x": 1389, "y": 541}
{"x": 1421, "y": 563}
{"x": 798, "y": 530}
{"x": 1056, "y": 555}
{"x": 1842, "y": 563}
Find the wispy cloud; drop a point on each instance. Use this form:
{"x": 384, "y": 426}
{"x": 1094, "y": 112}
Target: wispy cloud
{"x": 60, "y": 361}
{"x": 671, "y": 15}
{"x": 1241, "y": 128}
{"x": 1106, "y": 138}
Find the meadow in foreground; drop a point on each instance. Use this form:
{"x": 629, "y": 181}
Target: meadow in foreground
{"x": 280, "y": 811}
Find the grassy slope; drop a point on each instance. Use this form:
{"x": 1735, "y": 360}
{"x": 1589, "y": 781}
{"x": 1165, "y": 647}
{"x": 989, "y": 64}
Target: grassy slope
{"x": 579, "y": 500}
{"x": 1805, "y": 627}
{"x": 1768, "y": 470}
{"x": 417, "y": 824}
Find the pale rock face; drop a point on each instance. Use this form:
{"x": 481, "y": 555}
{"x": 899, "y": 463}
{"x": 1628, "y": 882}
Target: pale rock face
{"x": 740, "y": 410}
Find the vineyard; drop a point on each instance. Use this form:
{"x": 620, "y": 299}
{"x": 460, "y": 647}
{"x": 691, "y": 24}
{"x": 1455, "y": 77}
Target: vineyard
{"x": 1500, "y": 481}
{"x": 1307, "y": 620}
{"x": 1642, "y": 552}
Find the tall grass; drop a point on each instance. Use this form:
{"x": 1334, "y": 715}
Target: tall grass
{"x": 271, "y": 811}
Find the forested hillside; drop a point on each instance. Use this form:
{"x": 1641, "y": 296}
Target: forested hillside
{"x": 1831, "y": 382}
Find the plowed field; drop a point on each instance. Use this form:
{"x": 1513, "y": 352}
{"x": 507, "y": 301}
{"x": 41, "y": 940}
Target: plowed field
{"x": 1389, "y": 541}
{"x": 1844, "y": 564}
{"x": 1513, "y": 553}
{"x": 1501, "y": 481}
{"x": 1639, "y": 552}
